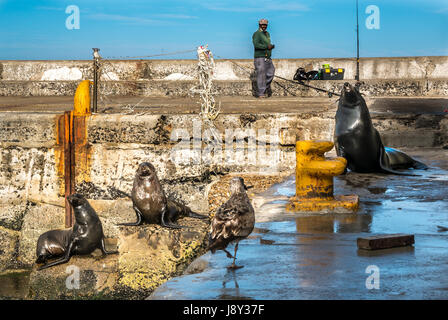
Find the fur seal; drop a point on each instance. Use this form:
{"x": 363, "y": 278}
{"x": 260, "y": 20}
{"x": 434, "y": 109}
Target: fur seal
{"x": 360, "y": 143}
{"x": 233, "y": 221}
{"x": 83, "y": 238}
{"x": 151, "y": 204}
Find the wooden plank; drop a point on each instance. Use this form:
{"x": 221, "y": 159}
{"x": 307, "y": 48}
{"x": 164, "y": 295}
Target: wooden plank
{"x": 385, "y": 241}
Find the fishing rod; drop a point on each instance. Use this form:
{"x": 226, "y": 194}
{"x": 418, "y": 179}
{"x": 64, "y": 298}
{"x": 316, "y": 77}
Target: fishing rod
{"x": 357, "y": 43}
{"x": 330, "y": 93}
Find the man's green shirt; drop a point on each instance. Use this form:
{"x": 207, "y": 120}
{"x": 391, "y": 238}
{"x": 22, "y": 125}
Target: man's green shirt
{"x": 261, "y": 40}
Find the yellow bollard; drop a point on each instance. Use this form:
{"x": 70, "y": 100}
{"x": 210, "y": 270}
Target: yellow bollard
{"x": 82, "y": 99}
{"x": 314, "y": 180}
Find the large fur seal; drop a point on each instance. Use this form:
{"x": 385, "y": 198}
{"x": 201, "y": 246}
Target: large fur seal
{"x": 360, "y": 143}
{"x": 83, "y": 238}
{"x": 233, "y": 221}
{"x": 151, "y": 204}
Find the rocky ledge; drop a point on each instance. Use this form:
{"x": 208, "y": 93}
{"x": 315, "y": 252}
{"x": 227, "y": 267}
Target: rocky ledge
{"x": 148, "y": 256}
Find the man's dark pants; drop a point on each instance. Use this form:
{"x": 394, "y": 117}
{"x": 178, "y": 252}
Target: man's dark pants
{"x": 264, "y": 69}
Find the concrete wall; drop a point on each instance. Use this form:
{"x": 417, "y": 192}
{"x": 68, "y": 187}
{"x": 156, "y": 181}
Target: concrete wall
{"x": 31, "y": 172}
{"x": 182, "y": 88}
{"x": 132, "y": 70}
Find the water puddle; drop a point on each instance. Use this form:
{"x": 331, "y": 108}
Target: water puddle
{"x": 315, "y": 256}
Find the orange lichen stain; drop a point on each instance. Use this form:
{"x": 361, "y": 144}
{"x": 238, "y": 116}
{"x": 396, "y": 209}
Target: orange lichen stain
{"x": 59, "y": 152}
{"x": 71, "y": 140}
{"x": 83, "y": 151}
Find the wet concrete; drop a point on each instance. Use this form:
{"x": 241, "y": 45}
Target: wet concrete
{"x": 229, "y": 104}
{"x": 314, "y": 256}
{"x": 169, "y": 105}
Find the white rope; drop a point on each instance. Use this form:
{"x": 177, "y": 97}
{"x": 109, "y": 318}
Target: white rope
{"x": 206, "y": 66}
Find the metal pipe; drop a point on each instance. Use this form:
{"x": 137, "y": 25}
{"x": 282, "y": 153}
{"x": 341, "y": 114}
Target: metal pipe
{"x": 96, "y": 58}
{"x": 357, "y": 43}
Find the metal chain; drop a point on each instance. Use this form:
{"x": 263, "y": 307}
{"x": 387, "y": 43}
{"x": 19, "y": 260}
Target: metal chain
{"x": 206, "y": 65}
{"x": 129, "y": 107}
{"x": 154, "y": 55}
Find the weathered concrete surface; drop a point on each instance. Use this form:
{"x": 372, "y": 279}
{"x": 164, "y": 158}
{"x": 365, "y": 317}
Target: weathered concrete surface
{"x": 31, "y": 183}
{"x": 12, "y": 212}
{"x": 39, "y": 219}
{"x": 182, "y": 88}
{"x": 229, "y": 105}
{"x": 9, "y": 241}
{"x": 309, "y": 256}
{"x": 431, "y": 67}
{"x": 148, "y": 256}
{"x": 32, "y": 170}
{"x": 14, "y": 284}
{"x": 406, "y": 76}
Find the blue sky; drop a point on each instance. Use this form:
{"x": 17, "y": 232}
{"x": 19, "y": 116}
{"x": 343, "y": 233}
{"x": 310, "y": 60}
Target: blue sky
{"x": 299, "y": 29}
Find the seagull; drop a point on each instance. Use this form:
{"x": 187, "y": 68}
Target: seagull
{"x": 233, "y": 221}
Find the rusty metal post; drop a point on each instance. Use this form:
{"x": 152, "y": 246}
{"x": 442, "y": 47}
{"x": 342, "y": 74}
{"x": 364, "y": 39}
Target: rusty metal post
{"x": 72, "y": 131}
{"x": 357, "y": 43}
{"x": 69, "y": 172}
{"x": 96, "y": 60}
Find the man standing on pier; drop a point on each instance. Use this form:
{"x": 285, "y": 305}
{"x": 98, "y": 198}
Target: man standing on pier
{"x": 264, "y": 68}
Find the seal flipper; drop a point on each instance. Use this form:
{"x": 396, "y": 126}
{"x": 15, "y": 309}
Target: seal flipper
{"x": 164, "y": 221}
{"x": 139, "y": 219}
{"x": 177, "y": 209}
{"x": 62, "y": 260}
{"x": 103, "y": 248}
{"x": 341, "y": 153}
{"x": 41, "y": 259}
{"x": 193, "y": 214}
{"x": 185, "y": 211}
{"x": 419, "y": 165}
{"x": 385, "y": 166}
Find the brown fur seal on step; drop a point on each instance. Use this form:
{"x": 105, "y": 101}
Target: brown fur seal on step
{"x": 83, "y": 238}
{"x": 150, "y": 203}
{"x": 233, "y": 221}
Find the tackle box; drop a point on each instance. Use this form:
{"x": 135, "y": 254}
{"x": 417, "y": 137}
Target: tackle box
{"x": 331, "y": 74}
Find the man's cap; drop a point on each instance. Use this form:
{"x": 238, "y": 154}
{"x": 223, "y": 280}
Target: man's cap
{"x": 263, "y": 21}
